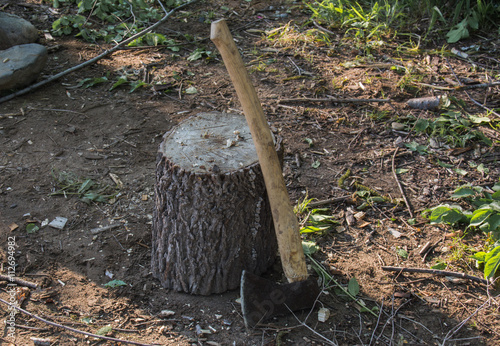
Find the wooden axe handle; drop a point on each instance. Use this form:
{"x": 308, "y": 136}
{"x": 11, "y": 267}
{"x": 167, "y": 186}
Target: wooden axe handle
{"x": 285, "y": 221}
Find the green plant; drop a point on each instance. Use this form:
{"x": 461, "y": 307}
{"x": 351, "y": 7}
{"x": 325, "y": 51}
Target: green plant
{"x": 484, "y": 216}
{"x": 110, "y": 20}
{"x": 488, "y": 261}
{"x": 198, "y": 53}
{"x": 352, "y": 289}
{"x": 66, "y": 24}
{"x": 86, "y": 189}
{"x": 115, "y": 283}
{"x": 373, "y": 20}
{"x": 314, "y": 220}
{"x": 456, "y": 127}
{"x": 153, "y": 39}
{"x": 483, "y": 13}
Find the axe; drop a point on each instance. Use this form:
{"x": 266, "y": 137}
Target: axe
{"x": 261, "y": 298}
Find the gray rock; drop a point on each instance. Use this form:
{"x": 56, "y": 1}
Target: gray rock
{"x": 21, "y": 65}
{"x": 14, "y": 30}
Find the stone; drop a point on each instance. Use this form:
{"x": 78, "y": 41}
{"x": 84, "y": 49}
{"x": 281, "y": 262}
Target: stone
{"x": 21, "y": 65}
{"x": 15, "y": 30}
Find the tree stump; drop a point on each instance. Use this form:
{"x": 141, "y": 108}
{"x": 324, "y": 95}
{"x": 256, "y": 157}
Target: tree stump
{"x": 212, "y": 218}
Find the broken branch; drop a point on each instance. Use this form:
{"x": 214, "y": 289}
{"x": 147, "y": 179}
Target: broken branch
{"x": 18, "y": 281}
{"x": 408, "y": 205}
{"x": 435, "y": 272}
{"x": 72, "y": 329}
{"x": 333, "y": 100}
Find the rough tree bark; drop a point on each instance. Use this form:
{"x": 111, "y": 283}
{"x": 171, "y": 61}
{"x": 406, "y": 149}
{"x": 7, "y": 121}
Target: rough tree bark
{"x": 212, "y": 218}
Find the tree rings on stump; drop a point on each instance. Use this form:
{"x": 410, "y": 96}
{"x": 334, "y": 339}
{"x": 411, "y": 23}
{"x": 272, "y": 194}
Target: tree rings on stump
{"x": 212, "y": 218}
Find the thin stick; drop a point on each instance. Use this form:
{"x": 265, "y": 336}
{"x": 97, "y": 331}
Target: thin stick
{"x": 331, "y": 99}
{"x": 474, "y": 86}
{"x": 93, "y": 60}
{"x": 18, "y": 281}
{"x": 455, "y": 329}
{"x": 105, "y": 228}
{"x": 323, "y": 29}
{"x": 328, "y": 201}
{"x": 73, "y": 329}
{"x": 460, "y": 87}
{"x": 408, "y": 205}
{"x": 436, "y": 272}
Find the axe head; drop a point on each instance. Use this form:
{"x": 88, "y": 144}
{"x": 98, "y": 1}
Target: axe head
{"x": 262, "y": 299}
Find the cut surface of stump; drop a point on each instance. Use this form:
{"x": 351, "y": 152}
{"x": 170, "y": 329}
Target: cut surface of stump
{"x": 212, "y": 218}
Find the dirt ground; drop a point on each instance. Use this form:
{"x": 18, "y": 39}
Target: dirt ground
{"x": 113, "y": 136}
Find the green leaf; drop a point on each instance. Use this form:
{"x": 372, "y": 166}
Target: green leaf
{"x": 86, "y": 185}
{"x": 445, "y": 214}
{"x": 196, "y": 54}
{"x": 93, "y": 197}
{"x": 463, "y": 191}
{"x": 458, "y": 32}
{"x": 414, "y": 146}
{"x": 482, "y": 169}
{"x": 445, "y": 165}
{"x": 311, "y": 229}
{"x": 439, "y": 266}
{"x": 115, "y": 283}
{"x": 309, "y": 247}
{"x": 315, "y": 217}
{"x": 402, "y": 170}
{"x": 90, "y": 82}
{"x": 479, "y": 216}
{"x": 491, "y": 224}
{"x": 402, "y": 253}
{"x": 496, "y": 187}
{"x": 316, "y": 164}
{"x": 87, "y": 320}
{"x": 375, "y": 199}
{"x": 353, "y": 287}
{"x": 191, "y": 90}
{"x": 492, "y": 263}
{"x": 479, "y": 256}
{"x": 136, "y": 85}
{"x": 120, "y": 81}
{"x": 461, "y": 171}
{"x": 104, "y": 330}
{"x": 478, "y": 120}
{"x": 31, "y": 228}
{"x": 421, "y": 125}
{"x": 309, "y": 141}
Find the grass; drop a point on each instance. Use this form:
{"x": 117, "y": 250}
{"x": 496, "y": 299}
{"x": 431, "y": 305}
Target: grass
{"x": 477, "y": 210}
{"x": 380, "y": 20}
{"x": 69, "y": 184}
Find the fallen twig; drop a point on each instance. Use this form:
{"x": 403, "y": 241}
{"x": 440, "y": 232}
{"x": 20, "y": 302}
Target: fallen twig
{"x": 331, "y": 99}
{"x": 458, "y": 88}
{"x": 435, "y": 272}
{"x": 18, "y": 281}
{"x": 328, "y": 201}
{"x": 428, "y": 251}
{"x": 323, "y": 29}
{"x": 408, "y": 205}
{"x": 455, "y": 329}
{"x": 100, "y": 56}
{"x": 105, "y": 228}
{"x": 73, "y": 329}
